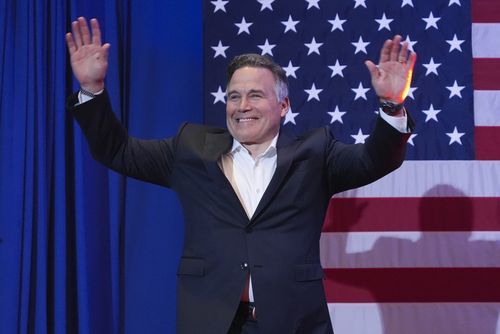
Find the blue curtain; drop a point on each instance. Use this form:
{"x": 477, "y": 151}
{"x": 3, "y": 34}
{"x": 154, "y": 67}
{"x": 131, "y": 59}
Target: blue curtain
{"x": 82, "y": 249}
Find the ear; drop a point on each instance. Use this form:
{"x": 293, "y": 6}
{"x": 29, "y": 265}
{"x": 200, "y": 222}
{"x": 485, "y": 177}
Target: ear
{"x": 285, "y": 106}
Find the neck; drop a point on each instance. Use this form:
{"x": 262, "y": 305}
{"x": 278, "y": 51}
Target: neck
{"x": 256, "y": 149}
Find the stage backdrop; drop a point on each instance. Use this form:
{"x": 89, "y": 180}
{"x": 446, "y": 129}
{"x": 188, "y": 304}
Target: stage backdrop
{"x": 83, "y": 250}
{"x": 418, "y": 251}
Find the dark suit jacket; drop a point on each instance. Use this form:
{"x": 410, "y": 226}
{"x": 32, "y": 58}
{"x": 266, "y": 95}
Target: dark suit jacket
{"x": 279, "y": 245}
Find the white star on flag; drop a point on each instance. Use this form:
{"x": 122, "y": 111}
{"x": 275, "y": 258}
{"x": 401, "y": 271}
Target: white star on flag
{"x": 337, "y": 69}
{"x": 360, "y": 45}
{"x": 455, "y": 90}
{"x": 266, "y": 4}
{"x": 431, "y": 67}
{"x": 243, "y": 26}
{"x": 312, "y": 3}
{"x": 431, "y": 113}
{"x": 219, "y": 95}
{"x": 455, "y": 43}
{"x": 431, "y": 21}
{"x": 410, "y": 140}
{"x": 407, "y": 2}
{"x": 266, "y": 48}
{"x": 290, "y": 70}
{"x": 290, "y": 24}
{"x": 457, "y": 2}
{"x": 410, "y": 43}
{"x": 360, "y": 92}
{"x": 220, "y": 50}
{"x": 384, "y": 23}
{"x": 337, "y": 23}
{"x": 219, "y": 5}
{"x": 410, "y": 92}
{"x": 359, "y": 138}
{"x": 313, "y": 46}
{"x": 313, "y": 92}
{"x": 455, "y": 136}
{"x": 336, "y": 115}
{"x": 358, "y": 3}
{"x": 290, "y": 116}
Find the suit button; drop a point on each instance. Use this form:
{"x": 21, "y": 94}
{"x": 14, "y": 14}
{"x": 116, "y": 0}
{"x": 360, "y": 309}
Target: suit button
{"x": 244, "y": 266}
{"x": 248, "y": 229}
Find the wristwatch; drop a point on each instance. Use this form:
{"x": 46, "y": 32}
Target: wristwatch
{"x": 390, "y": 108}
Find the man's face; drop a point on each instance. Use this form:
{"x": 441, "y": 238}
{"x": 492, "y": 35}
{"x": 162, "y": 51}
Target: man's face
{"x": 253, "y": 113}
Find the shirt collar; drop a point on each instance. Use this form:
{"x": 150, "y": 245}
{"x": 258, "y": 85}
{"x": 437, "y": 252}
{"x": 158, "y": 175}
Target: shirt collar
{"x": 237, "y": 146}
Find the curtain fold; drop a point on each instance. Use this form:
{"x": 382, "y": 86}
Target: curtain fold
{"x": 83, "y": 249}
{"x": 59, "y": 248}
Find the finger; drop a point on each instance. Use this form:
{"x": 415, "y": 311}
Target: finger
{"x": 396, "y": 46}
{"x": 96, "y": 32}
{"x": 105, "y": 49}
{"x": 385, "y": 51}
{"x": 403, "y": 54}
{"x": 411, "y": 61}
{"x": 75, "y": 27}
{"x": 71, "y": 43}
{"x": 84, "y": 29}
{"x": 372, "y": 68}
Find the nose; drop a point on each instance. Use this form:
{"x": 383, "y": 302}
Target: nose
{"x": 244, "y": 105}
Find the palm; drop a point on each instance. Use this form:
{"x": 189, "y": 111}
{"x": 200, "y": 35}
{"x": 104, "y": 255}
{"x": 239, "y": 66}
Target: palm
{"x": 89, "y": 58}
{"x": 89, "y": 63}
{"x": 392, "y": 80}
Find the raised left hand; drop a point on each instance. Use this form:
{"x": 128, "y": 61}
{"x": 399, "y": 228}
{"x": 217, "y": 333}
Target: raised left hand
{"x": 392, "y": 77}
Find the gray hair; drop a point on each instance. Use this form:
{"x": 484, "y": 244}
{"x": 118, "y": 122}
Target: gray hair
{"x": 256, "y": 60}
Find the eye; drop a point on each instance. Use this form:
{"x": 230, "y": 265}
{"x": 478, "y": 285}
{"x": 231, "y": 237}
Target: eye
{"x": 234, "y": 97}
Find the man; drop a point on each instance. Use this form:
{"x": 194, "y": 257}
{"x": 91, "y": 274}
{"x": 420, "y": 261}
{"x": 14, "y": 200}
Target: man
{"x": 254, "y": 200}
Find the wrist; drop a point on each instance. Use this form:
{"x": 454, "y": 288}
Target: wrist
{"x": 391, "y": 108}
{"x": 93, "y": 88}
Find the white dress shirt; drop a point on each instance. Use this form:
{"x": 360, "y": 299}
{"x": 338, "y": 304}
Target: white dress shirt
{"x": 249, "y": 177}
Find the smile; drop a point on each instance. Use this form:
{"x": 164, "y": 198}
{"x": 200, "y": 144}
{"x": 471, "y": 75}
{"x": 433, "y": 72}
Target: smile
{"x": 249, "y": 119}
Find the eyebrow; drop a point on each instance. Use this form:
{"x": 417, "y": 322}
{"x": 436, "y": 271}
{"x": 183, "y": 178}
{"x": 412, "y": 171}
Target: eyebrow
{"x": 251, "y": 91}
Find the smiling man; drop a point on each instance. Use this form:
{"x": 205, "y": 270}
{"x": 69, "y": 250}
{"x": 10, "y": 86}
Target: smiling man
{"x": 254, "y": 199}
{"x": 257, "y": 99}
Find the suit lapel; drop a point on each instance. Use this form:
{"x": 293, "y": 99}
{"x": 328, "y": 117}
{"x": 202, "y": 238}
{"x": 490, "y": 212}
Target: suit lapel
{"x": 285, "y": 150}
{"x": 217, "y": 144}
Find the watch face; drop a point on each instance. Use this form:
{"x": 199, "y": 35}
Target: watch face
{"x": 390, "y": 108}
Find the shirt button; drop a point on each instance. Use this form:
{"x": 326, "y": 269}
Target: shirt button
{"x": 244, "y": 266}
{"x": 258, "y": 191}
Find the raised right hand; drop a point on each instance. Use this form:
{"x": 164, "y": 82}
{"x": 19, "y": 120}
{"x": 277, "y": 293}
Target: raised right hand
{"x": 89, "y": 58}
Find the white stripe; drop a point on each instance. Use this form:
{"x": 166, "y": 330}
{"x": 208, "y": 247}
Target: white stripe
{"x": 410, "y": 249}
{"x": 487, "y": 107}
{"x": 415, "y": 318}
{"x": 485, "y": 40}
{"x": 436, "y": 178}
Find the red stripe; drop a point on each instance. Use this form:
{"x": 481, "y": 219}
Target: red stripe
{"x": 485, "y": 11}
{"x": 412, "y": 285}
{"x": 486, "y": 73}
{"x": 413, "y": 214}
{"x": 487, "y": 142}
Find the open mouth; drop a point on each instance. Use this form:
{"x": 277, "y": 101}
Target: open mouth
{"x": 246, "y": 119}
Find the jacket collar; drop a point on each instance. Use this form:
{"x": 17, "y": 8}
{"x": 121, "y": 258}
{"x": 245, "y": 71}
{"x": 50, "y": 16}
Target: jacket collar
{"x": 217, "y": 144}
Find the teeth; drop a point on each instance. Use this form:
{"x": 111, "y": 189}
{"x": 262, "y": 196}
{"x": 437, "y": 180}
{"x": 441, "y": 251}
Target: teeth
{"x": 246, "y": 119}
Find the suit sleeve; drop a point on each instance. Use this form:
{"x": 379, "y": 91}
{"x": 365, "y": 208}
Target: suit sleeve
{"x": 355, "y": 165}
{"x": 146, "y": 160}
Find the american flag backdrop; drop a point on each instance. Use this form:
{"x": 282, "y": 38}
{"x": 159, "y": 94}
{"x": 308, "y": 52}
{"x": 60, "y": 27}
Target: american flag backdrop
{"x": 419, "y": 250}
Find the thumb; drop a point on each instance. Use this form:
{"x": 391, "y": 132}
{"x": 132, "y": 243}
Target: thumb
{"x": 372, "y": 68}
{"x": 105, "y": 48}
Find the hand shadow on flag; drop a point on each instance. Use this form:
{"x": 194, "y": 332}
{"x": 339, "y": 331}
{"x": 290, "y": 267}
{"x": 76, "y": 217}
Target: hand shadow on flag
{"x": 436, "y": 274}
